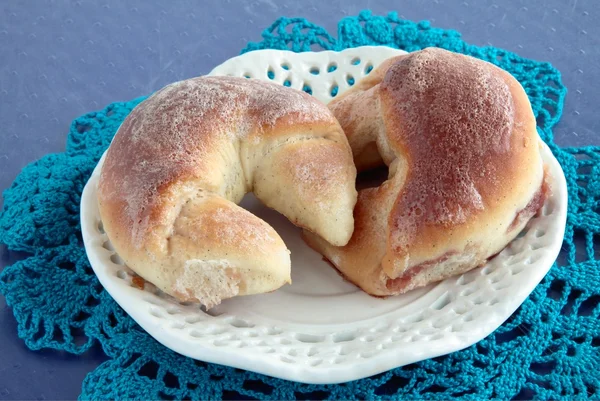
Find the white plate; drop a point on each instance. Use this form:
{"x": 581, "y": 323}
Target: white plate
{"x": 322, "y": 329}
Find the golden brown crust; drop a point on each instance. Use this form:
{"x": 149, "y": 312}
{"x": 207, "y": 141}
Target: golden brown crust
{"x": 185, "y": 156}
{"x": 459, "y": 137}
{"x": 172, "y": 136}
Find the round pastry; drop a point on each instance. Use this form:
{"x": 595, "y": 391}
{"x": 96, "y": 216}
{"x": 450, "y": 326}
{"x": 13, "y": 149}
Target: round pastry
{"x": 465, "y": 172}
{"x": 184, "y": 158}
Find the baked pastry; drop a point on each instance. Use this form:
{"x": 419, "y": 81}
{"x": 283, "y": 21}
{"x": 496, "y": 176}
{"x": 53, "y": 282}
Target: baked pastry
{"x": 184, "y": 158}
{"x": 465, "y": 171}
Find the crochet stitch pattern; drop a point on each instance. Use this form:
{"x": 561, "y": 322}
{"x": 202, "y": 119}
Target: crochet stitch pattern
{"x": 548, "y": 349}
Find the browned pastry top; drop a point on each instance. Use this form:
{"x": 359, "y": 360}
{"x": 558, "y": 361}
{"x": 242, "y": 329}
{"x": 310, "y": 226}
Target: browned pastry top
{"x": 453, "y": 118}
{"x": 172, "y": 137}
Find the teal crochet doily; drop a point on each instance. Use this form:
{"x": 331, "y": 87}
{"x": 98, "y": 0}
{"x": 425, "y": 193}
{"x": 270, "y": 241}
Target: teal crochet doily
{"x": 548, "y": 349}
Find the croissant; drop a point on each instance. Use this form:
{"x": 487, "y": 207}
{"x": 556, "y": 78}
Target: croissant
{"x": 184, "y": 158}
{"x": 465, "y": 171}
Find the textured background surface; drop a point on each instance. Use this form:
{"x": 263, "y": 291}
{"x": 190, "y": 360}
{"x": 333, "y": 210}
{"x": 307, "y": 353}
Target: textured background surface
{"x": 61, "y": 59}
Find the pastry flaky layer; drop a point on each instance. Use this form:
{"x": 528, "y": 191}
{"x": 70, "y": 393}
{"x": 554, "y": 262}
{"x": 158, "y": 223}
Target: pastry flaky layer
{"x": 184, "y": 158}
{"x": 465, "y": 172}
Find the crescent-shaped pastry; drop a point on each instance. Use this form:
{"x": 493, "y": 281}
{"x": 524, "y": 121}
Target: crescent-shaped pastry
{"x": 465, "y": 171}
{"x": 184, "y": 158}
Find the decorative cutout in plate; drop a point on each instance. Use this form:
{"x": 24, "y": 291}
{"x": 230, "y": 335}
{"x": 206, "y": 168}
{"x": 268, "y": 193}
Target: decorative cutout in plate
{"x": 322, "y": 329}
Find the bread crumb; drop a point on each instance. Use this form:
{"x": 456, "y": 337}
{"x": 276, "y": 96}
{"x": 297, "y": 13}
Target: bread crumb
{"x": 138, "y": 282}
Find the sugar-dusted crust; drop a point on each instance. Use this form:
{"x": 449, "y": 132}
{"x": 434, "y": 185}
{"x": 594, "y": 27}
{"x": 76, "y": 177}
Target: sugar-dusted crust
{"x": 465, "y": 171}
{"x": 186, "y": 156}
